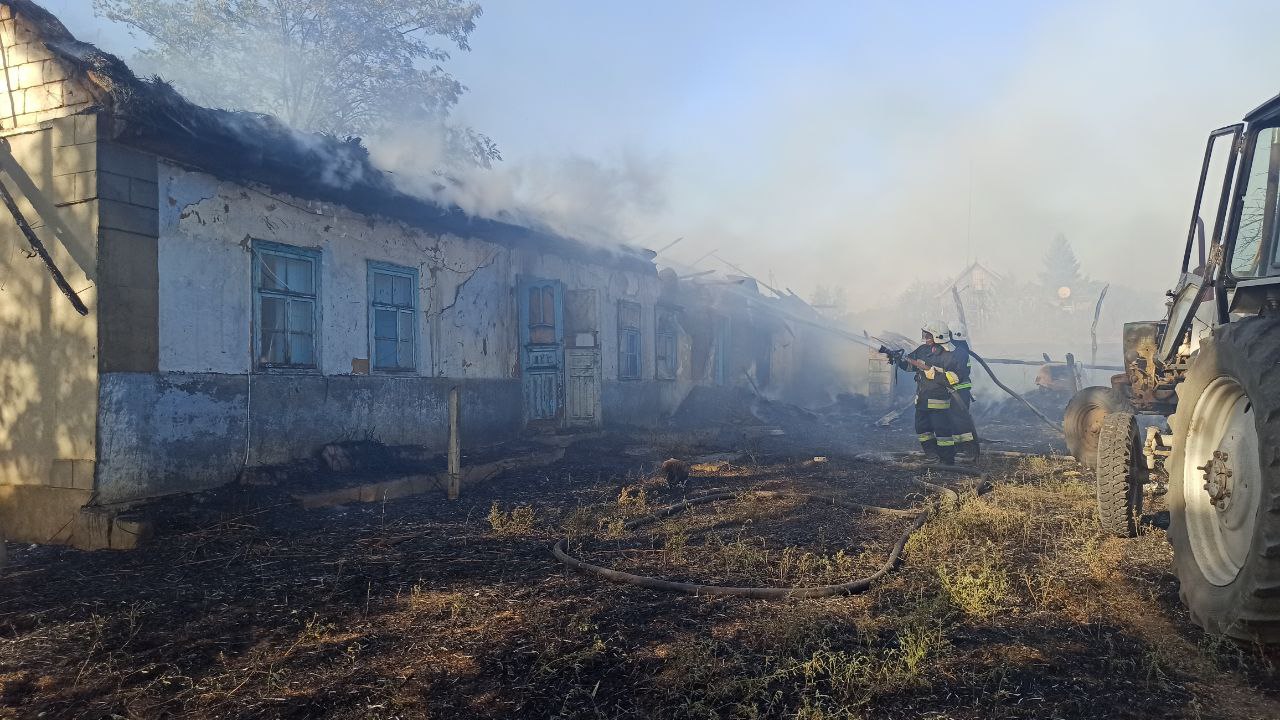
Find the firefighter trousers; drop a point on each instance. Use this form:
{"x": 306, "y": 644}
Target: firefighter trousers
{"x": 943, "y": 426}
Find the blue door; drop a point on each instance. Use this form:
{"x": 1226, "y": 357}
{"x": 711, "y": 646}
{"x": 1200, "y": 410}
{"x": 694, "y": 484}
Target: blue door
{"x": 542, "y": 351}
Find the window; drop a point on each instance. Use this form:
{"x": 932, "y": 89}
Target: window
{"x": 1259, "y": 210}
{"x": 542, "y": 314}
{"x": 664, "y": 343}
{"x": 628, "y": 340}
{"x": 286, "y": 284}
{"x": 393, "y": 317}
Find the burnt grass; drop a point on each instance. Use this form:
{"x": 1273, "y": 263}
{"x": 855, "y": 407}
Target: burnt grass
{"x": 1009, "y": 604}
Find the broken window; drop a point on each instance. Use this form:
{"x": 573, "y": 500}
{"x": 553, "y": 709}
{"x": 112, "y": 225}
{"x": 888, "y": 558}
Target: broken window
{"x": 664, "y": 341}
{"x": 580, "y": 317}
{"x": 628, "y": 340}
{"x": 542, "y": 314}
{"x": 285, "y": 292}
{"x": 393, "y": 313}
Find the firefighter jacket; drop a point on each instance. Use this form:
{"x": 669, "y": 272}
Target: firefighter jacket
{"x": 963, "y": 364}
{"x": 943, "y": 373}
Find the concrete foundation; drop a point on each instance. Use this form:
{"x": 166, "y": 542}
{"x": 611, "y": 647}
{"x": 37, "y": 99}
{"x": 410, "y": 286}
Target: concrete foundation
{"x": 632, "y": 403}
{"x": 179, "y": 432}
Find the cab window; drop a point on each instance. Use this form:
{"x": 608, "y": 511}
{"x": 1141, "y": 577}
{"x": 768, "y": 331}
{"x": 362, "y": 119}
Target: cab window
{"x": 1256, "y": 254}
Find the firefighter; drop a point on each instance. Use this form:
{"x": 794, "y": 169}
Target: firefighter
{"x": 965, "y": 364}
{"x": 942, "y": 422}
{"x": 966, "y": 433}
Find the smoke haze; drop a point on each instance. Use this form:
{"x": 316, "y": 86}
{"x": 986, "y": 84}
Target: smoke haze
{"x": 867, "y": 148}
{"x": 855, "y": 147}
{"x": 594, "y": 199}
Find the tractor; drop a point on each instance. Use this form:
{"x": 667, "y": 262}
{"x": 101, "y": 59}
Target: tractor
{"x": 1197, "y": 409}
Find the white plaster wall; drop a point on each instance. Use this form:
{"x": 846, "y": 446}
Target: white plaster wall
{"x": 467, "y": 323}
{"x": 205, "y": 294}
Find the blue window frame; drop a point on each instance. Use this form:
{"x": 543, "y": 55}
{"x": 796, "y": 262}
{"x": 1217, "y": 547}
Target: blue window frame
{"x": 286, "y": 293}
{"x": 665, "y": 331}
{"x": 629, "y": 340}
{"x": 393, "y": 317}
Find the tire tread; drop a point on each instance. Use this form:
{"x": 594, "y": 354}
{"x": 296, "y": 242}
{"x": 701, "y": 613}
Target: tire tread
{"x": 1117, "y": 513}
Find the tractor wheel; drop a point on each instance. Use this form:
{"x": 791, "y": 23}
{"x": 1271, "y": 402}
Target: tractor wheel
{"x": 1119, "y": 474}
{"x": 1083, "y": 420}
{"x": 1224, "y": 482}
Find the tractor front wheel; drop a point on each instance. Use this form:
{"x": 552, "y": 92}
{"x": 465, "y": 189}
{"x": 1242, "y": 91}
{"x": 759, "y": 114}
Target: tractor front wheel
{"x": 1082, "y": 420}
{"x": 1120, "y": 473}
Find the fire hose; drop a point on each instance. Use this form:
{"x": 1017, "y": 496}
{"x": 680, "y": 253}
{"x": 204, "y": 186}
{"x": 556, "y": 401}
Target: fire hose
{"x": 857, "y": 585}
{"x": 895, "y": 357}
{"x": 1009, "y": 390}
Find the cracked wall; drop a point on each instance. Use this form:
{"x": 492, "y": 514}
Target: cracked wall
{"x": 466, "y": 319}
{"x": 208, "y": 412}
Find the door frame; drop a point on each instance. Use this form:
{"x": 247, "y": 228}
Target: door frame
{"x": 529, "y": 351}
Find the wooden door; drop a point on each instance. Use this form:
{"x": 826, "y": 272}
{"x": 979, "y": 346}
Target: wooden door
{"x": 541, "y": 304}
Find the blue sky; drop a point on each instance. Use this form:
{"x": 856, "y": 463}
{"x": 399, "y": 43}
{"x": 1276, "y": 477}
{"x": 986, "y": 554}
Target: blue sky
{"x": 863, "y": 144}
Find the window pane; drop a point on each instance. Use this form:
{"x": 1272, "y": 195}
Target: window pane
{"x": 406, "y": 354}
{"x": 301, "y": 276}
{"x": 629, "y": 315}
{"x": 629, "y": 356}
{"x": 535, "y": 307}
{"x": 384, "y": 324}
{"x": 271, "y": 272}
{"x": 273, "y": 343}
{"x": 384, "y": 353}
{"x": 1255, "y": 225}
{"x": 382, "y": 288}
{"x": 405, "y": 333}
{"x": 548, "y": 306}
{"x": 633, "y": 365}
{"x": 402, "y": 291}
{"x": 666, "y": 357}
{"x": 302, "y": 316}
{"x": 273, "y": 313}
{"x": 301, "y": 349}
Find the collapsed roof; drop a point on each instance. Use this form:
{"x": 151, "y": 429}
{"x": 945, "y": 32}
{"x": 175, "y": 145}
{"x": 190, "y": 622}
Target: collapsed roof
{"x": 151, "y": 115}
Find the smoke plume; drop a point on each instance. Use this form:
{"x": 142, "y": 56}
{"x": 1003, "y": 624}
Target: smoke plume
{"x": 591, "y": 199}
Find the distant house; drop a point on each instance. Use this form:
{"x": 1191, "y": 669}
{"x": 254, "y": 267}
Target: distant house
{"x": 976, "y": 286}
{"x": 254, "y": 294}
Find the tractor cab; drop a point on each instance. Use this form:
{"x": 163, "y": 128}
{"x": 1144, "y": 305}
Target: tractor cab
{"x": 1231, "y": 259}
{"x": 1251, "y": 277}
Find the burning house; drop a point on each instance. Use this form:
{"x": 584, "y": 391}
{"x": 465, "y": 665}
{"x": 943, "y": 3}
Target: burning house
{"x": 252, "y": 294}
{"x": 775, "y": 344}
{"x": 200, "y": 294}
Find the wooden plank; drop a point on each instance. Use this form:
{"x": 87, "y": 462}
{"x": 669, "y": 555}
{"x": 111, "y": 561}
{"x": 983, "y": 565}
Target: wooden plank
{"x": 455, "y": 442}
{"x": 38, "y": 246}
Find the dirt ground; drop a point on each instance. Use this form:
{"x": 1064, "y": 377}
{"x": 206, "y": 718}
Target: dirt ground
{"x": 1008, "y": 604}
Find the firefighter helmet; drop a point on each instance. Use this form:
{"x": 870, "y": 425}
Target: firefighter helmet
{"x": 940, "y": 331}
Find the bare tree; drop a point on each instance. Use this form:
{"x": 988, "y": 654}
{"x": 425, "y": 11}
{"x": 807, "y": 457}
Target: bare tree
{"x": 335, "y": 66}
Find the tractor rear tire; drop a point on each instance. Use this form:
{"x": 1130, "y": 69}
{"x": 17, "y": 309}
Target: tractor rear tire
{"x": 1083, "y": 420}
{"x": 1224, "y": 482}
{"x": 1119, "y": 475}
